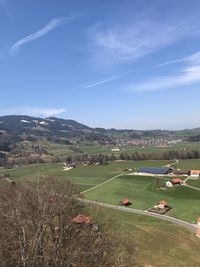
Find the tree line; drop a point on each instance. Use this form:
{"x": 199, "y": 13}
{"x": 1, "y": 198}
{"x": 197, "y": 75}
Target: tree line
{"x": 135, "y": 156}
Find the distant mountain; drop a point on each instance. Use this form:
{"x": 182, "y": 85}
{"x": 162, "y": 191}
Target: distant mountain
{"x": 25, "y": 139}
{"x": 22, "y": 124}
{"x": 50, "y": 128}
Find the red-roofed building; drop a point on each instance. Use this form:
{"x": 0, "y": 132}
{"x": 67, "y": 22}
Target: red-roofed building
{"x": 175, "y": 181}
{"x": 162, "y": 204}
{"x": 125, "y": 202}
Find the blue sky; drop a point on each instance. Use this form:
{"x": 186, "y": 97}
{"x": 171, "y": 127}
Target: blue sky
{"x": 124, "y": 64}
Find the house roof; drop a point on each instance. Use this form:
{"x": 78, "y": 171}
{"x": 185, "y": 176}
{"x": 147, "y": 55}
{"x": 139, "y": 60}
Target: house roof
{"x": 82, "y": 219}
{"x": 195, "y": 171}
{"x": 125, "y": 201}
{"x": 176, "y": 180}
{"x": 163, "y": 202}
{"x": 154, "y": 170}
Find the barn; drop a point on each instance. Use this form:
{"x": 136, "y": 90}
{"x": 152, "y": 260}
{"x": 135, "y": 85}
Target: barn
{"x": 155, "y": 170}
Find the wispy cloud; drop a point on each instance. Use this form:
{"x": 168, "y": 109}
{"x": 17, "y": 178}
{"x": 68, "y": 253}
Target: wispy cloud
{"x": 33, "y": 111}
{"x": 53, "y": 24}
{"x": 126, "y": 43}
{"x": 104, "y": 80}
{"x": 190, "y": 74}
{"x": 193, "y": 58}
{"x": 98, "y": 82}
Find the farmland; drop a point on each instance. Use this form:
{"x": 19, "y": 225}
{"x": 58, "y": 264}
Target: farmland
{"x": 158, "y": 243}
{"x": 84, "y": 176}
{"x": 141, "y": 190}
{"x": 180, "y": 247}
{"x": 189, "y": 164}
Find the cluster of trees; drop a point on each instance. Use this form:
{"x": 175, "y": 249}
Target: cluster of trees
{"x": 195, "y": 138}
{"x": 37, "y": 230}
{"x": 165, "y": 155}
{"x": 11, "y": 162}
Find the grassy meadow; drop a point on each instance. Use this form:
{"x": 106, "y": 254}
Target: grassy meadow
{"x": 141, "y": 190}
{"x": 189, "y": 164}
{"x": 158, "y": 243}
{"x": 143, "y": 193}
{"x": 84, "y": 176}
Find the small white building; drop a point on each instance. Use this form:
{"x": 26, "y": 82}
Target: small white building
{"x": 116, "y": 149}
{"x": 168, "y": 184}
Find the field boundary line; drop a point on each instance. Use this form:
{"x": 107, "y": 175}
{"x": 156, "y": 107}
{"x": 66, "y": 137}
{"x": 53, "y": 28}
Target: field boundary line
{"x": 107, "y": 181}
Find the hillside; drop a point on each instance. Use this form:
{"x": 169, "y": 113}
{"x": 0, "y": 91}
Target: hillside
{"x": 25, "y": 139}
{"x": 71, "y": 128}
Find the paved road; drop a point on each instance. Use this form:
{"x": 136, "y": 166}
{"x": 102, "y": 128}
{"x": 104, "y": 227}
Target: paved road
{"x": 188, "y": 226}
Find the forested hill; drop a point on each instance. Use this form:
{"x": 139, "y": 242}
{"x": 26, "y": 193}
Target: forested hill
{"x": 26, "y": 123}
{"x": 34, "y": 126}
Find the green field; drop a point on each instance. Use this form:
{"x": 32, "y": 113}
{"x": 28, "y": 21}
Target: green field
{"x": 195, "y": 183}
{"x": 84, "y": 176}
{"x": 142, "y": 192}
{"x": 91, "y": 148}
{"x": 158, "y": 243}
{"x": 189, "y": 164}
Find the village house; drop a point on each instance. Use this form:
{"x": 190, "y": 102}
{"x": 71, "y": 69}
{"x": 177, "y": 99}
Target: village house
{"x": 176, "y": 181}
{"x": 161, "y": 205}
{"x": 125, "y": 202}
{"x": 195, "y": 173}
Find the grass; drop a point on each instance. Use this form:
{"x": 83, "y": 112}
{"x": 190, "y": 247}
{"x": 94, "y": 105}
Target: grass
{"x": 84, "y": 176}
{"x": 189, "y": 164}
{"x": 158, "y": 243}
{"x": 95, "y": 149}
{"x": 66, "y": 150}
{"x": 142, "y": 192}
{"x": 195, "y": 183}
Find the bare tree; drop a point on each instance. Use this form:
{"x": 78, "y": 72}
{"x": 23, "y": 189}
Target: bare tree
{"x": 37, "y": 230}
